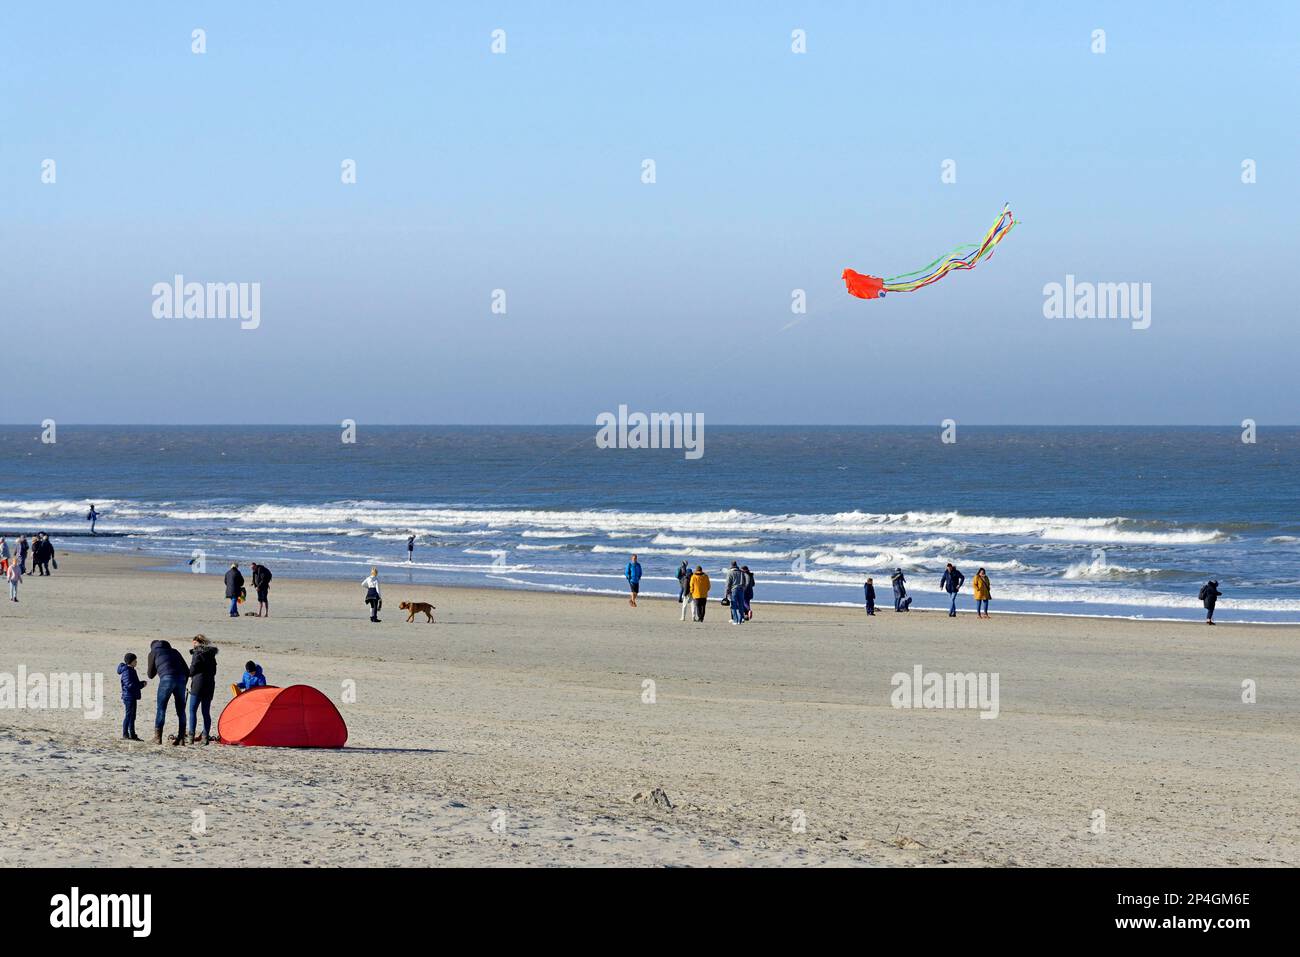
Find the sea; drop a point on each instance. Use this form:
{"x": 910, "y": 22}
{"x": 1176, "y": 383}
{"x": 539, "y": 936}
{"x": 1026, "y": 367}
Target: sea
{"x": 1126, "y": 522}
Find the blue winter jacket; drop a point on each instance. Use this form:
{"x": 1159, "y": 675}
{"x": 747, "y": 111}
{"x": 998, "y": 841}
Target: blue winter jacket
{"x": 252, "y": 679}
{"x": 633, "y": 572}
{"x": 131, "y": 683}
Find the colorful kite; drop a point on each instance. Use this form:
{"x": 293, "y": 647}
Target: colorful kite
{"x": 967, "y": 256}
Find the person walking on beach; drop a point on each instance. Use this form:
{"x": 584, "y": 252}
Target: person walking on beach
{"x": 167, "y": 665}
{"x": 262, "y": 582}
{"x": 869, "y": 593}
{"x": 23, "y": 549}
{"x": 15, "y": 575}
{"x": 4, "y": 555}
{"x": 684, "y": 590}
{"x": 733, "y": 581}
{"x": 203, "y": 684}
{"x": 1209, "y": 595}
{"x": 410, "y": 549}
{"x": 234, "y": 585}
{"x": 92, "y": 517}
{"x": 633, "y": 575}
{"x": 749, "y": 592}
{"x": 131, "y": 685}
{"x": 900, "y": 590}
{"x": 983, "y": 592}
{"x": 699, "y": 592}
{"x": 738, "y": 601}
{"x": 41, "y": 553}
{"x": 951, "y": 582}
{"x": 372, "y": 593}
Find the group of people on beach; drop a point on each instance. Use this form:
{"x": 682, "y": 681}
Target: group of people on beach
{"x": 13, "y": 560}
{"x": 950, "y": 582}
{"x": 237, "y": 593}
{"x": 172, "y": 672}
{"x": 693, "y": 589}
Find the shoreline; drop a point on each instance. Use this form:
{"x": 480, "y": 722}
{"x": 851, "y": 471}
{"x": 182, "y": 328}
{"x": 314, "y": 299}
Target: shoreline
{"x": 150, "y": 562}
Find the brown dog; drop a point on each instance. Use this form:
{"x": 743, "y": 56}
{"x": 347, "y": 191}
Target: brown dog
{"x": 416, "y": 607}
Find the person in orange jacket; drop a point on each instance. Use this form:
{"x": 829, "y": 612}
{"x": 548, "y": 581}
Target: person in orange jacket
{"x": 699, "y": 591}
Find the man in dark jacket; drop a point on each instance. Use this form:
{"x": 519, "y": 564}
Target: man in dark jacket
{"x": 234, "y": 583}
{"x": 869, "y": 593}
{"x": 167, "y": 665}
{"x": 1209, "y": 595}
{"x": 203, "y": 684}
{"x": 951, "y": 582}
{"x": 262, "y": 583}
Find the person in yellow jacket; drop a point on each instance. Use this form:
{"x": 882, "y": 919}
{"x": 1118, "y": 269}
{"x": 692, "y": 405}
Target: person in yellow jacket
{"x": 982, "y": 594}
{"x": 699, "y": 592}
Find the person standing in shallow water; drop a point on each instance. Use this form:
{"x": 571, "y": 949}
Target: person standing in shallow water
{"x": 410, "y": 549}
{"x": 92, "y": 517}
{"x": 1209, "y": 595}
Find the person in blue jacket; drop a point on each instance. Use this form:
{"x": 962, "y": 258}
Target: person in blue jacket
{"x": 166, "y": 663}
{"x": 633, "y": 574}
{"x": 253, "y": 678}
{"x": 951, "y": 582}
{"x": 131, "y": 685}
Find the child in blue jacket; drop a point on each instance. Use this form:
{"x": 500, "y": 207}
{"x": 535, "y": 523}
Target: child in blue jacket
{"x": 253, "y": 678}
{"x": 131, "y": 685}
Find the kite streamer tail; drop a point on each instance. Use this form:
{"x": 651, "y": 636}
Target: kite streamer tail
{"x": 966, "y": 256}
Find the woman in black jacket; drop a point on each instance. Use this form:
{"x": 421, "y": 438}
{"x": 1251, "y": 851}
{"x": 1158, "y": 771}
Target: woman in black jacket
{"x": 203, "y": 683}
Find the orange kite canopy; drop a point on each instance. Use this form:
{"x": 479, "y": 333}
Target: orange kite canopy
{"x": 295, "y": 717}
{"x": 864, "y": 287}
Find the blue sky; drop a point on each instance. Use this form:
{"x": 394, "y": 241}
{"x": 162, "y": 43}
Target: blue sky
{"x": 522, "y": 172}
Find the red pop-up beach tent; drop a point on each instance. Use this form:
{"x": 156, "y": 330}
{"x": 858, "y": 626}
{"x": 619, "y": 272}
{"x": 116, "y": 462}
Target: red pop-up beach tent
{"x": 298, "y": 716}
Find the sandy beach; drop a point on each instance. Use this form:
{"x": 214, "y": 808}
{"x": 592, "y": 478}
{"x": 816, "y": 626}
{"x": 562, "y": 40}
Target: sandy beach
{"x": 519, "y": 730}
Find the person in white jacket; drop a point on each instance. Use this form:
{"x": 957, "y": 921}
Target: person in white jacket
{"x": 372, "y": 593}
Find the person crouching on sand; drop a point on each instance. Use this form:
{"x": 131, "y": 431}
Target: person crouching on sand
{"x": 699, "y": 592}
{"x": 1209, "y": 595}
{"x": 253, "y": 677}
{"x": 372, "y": 593}
{"x": 983, "y": 592}
{"x": 633, "y": 575}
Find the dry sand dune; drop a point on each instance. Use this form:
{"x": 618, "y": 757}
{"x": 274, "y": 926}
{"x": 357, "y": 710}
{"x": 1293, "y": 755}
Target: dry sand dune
{"x": 516, "y": 730}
